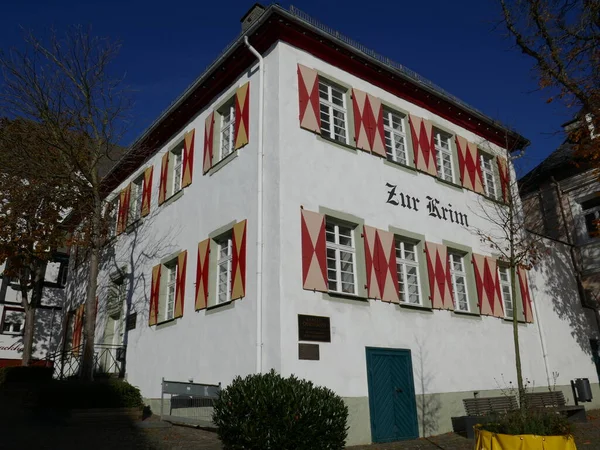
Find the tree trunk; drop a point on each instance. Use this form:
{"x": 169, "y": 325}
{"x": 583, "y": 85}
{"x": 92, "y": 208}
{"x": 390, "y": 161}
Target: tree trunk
{"x": 28, "y": 327}
{"x": 515, "y": 322}
{"x": 89, "y": 330}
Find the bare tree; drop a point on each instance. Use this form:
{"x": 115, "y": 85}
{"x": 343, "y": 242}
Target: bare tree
{"x": 562, "y": 37}
{"x": 66, "y": 87}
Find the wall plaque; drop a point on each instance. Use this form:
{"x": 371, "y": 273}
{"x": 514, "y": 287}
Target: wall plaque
{"x": 131, "y": 321}
{"x": 308, "y": 351}
{"x": 314, "y": 328}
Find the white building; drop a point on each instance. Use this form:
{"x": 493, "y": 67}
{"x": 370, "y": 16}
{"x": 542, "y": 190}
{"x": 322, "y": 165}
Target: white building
{"x": 327, "y": 181}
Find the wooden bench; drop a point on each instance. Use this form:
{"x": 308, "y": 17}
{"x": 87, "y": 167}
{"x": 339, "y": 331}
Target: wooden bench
{"x": 555, "y": 400}
{"x": 481, "y": 410}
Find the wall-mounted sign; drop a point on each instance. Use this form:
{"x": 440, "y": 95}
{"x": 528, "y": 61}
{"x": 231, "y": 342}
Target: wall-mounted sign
{"x": 314, "y": 328}
{"x": 309, "y": 352}
{"x": 131, "y": 321}
{"x": 435, "y": 208}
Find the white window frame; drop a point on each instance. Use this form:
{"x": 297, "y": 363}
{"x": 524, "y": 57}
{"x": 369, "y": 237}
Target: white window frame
{"x": 171, "y": 290}
{"x": 337, "y": 248}
{"x": 394, "y": 135}
{"x": 177, "y": 168}
{"x": 404, "y": 263}
{"x": 113, "y": 219}
{"x": 456, "y": 275}
{"x": 135, "y": 202}
{"x": 327, "y": 108}
{"x": 227, "y": 112}
{"x": 12, "y": 331}
{"x": 586, "y": 212}
{"x": 488, "y": 175}
{"x": 224, "y": 263}
{"x": 506, "y": 284}
{"x": 440, "y": 151}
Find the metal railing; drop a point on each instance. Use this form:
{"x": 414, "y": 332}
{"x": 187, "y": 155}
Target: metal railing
{"x": 109, "y": 360}
{"x": 188, "y": 403}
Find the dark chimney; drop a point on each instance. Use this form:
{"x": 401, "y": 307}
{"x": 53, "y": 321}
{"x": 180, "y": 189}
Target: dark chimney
{"x": 252, "y": 16}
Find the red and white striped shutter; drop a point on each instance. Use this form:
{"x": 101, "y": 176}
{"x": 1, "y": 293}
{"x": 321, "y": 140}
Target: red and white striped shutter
{"x": 370, "y": 236}
{"x": 504, "y": 177}
{"x": 422, "y": 137}
{"x": 238, "y": 261}
{"x": 440, "y": 281}
{"x": 209, "y": 129}
{"x": 377, "y": 132}
{"x": 241, "y": 129}
{"x": 387, "y": 273}
{"x": 147, "y": 191}
{"x": 188, "y": 158}
{"x": 308, "y": 99}
{"x": 468, "y": 163}
{"x": 361, "y": 120}
{"x": 202, "y": 274}
{"x": 488, "y": 286}
{"x": 120, "y": 214}
{"x": 314, "y": 253}
{"x": 127, "y": 204}
{"x": 78, "y": 329}
{"x": 525, "y": 294}
{"x": 154, "y": 294}
{"x": 164, "y": 172}
{"x": 180, "y": 284}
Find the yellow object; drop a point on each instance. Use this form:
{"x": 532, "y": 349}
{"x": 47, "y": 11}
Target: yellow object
{"x": 486, "y": 440}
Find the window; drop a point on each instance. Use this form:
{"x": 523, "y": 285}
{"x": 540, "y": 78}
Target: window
{"x": 506, "y": 290}
{"x": 224, "y": 269}
{"x": 113, "y": 216}
{"x": 395, "y": 136}
{"x": 341, "y": 271}
{"x": 489, "y": 179}
{"x": 591, "y": 215}
{"x": 334, "y": 116}
{"x": 177, "y": 154}
{"x": 171, "y": 291}
{"x": 407, "y": 267}
{"x": 443, "y": 155}
{"x": 135, "y": 202}
{"x": 12, "y": 321}
{"x": 227, "y": 113}
{"x": 459, "y": 281}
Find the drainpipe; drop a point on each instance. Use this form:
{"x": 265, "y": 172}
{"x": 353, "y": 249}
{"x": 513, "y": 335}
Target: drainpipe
{"x": 542, "y": 342}
{"x": 259, "y": 222}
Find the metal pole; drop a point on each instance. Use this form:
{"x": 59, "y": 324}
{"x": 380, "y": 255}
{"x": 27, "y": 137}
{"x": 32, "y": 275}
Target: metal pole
{"x": 162, "y": 390}
{"x": 574, "y": 393}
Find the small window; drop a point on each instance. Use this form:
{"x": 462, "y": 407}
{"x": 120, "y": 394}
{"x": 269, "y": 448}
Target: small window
{"x": 224, "y": 264}
{"x": 591, "y": 215}
{"x": 459, "y": 281}
{"x": 443, "y": 155}
{"x": 407, "y": 267}
{"x": 135, "y": 201}
{"x": 333, "y": 110}
{"x": 506, "y": 291}
{"x": 12, "y": 321}
{"x": 227, "y": 113}
{"x": 177, "y": 169}
{"x": 113, "y": 216}
{"x": 489, "y": 176}
{"x": 341, "y": 256}
{"x": 394, "y": 127}
{"x": 171, "y": 290}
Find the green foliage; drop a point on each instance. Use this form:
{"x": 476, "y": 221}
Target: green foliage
{"x": 269, "y": 412}
{"x": 539, "y": 422}
{"x": 25, "y": 374}
{"x": 76, "y": 394}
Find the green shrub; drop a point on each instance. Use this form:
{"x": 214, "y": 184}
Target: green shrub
{"x": 25, "y": 374}
{"x": 76, "y": 394}
{"x": 540, "y": 422}
{"x": 269, "y": 412}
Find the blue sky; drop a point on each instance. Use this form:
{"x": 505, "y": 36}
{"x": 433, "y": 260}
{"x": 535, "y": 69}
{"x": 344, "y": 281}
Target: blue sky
{"x": 166, "y": 45}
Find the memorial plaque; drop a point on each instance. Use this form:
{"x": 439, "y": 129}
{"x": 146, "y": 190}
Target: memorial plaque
{"x": 314, "y": 328}
{"x": 131, "y": 321}
{"x": 308, "y": 351}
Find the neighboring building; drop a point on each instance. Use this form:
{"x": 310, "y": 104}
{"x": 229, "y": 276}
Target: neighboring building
{"x": 323, "y": 225}
{"x": 48, "y": 316}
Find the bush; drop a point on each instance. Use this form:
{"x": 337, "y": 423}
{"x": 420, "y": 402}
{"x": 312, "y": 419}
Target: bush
{"x": 269, "y": 412}
{"x": 76, "y": 394}
{"x": 530, "y": 421}
{"x": 25, "y": 374}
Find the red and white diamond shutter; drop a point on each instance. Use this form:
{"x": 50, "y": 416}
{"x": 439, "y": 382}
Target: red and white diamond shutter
{"x": 525, "y": 294}
{"x": 154, "y": 294}
{"x": 504, "y": 177}
{"x": 308, "y": 99}
{"x": 468, "y": 165}
{"x": 387, "y": 274}
{"x": 440, "y": 280}
{"x": 202, "y": 274}
{"x": 147, "y": 191}
{"x": 180, "y": 284}
{"x": 314, "y": 253}
{"x": 164, "y": 172}
{"x": 209, "y": 130}
{"x": 371, "y": 262}
{"x": 238, "y": 261}
{"x": 488, "y": 286}
{"x": 368, "y": 123}
{"x": 241, "y": 130}
{"x": 188, "y": 158}
{"x": 421, "y": 131}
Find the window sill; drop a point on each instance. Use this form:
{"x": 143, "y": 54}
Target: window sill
{"x": 452, "y": 184}
{"x": 135, "y": 225}
{"x": 415, "y": 307}
{"x": 397, "y": 165}
{"x": 9, "y": 333}
{"x": 466, "y": 313}
{"x": 218, "y": 305}
{"x": 176, "y": 196}
{"x": 493, "y": 200}
{"x": 342, "y": 145}
{"x": 334, "y": 295}
{"x": 166, "y": 323}
{"x": 219, "y": 165}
